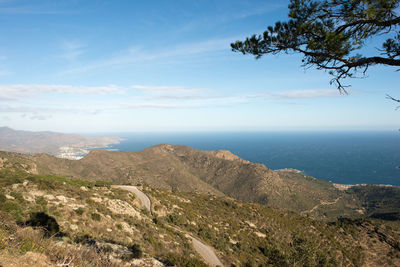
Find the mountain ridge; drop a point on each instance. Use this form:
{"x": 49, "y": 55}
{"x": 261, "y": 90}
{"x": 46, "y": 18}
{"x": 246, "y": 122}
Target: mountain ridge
{"x": 181, "y": 168}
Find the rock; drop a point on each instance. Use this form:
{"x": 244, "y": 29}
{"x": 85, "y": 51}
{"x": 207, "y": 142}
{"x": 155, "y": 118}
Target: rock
{"x": 126, "y": 227}
{"x": 62, "y": 199}
{"x": 260, "y": 234}
{"x": 73, "y": 227}
{"x": 96, "y": 199}
{"x": 10, "y": 197}
{"x": 28, "y": 198}
{"x": 121, "y": 207}
{"x": 83, "y": 188}
{"x": 49, "y": 197}
{"x": 252, "y": 225}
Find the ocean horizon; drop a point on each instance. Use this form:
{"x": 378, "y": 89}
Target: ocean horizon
{"x": 339, "y": 157}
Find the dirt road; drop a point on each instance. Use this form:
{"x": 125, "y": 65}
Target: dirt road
{"x": 205, "y": 251}
{"x": 146, "y": 203}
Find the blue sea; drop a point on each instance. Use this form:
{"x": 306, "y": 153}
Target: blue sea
{"x": 340, "y": 157}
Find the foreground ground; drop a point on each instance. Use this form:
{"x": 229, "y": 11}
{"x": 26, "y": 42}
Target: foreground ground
{"x": 104, "y": 226}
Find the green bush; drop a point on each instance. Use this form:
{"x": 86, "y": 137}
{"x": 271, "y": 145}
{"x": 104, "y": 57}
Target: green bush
{"x": 95, "y": 216}
{"x": 136, "y": 250}
{"x": 12, "y": 207}
{"x": 100, "y": 183}
{"x": 2, "y": 198}
{"x": 182, "y": 261}
{"x": 176, "y": 219}
{"x": 79, "y": 211}
{"x": 44, "y": 221}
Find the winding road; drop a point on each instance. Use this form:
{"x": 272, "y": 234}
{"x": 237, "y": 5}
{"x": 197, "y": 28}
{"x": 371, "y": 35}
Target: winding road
{"x": 205, "y": 251}
{"x": 144, "y": 199}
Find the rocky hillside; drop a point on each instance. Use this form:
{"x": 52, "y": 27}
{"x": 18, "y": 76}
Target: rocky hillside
{"x": 183, "y": 169}
{"x": 50, "y": 220}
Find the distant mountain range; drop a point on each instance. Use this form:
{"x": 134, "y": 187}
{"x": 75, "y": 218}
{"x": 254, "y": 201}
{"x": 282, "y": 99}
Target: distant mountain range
{"x": 57, "y": 144}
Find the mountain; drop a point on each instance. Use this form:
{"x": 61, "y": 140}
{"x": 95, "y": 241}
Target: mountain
{"x": 49, "y": 220}
{"x": 221, "y": 173}
{"x": 57, "y": 144}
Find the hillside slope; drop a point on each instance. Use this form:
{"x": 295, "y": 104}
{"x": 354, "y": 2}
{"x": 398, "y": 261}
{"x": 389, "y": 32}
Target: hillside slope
{"x": 103, "y": 226}
{"x": 181, "y": 168}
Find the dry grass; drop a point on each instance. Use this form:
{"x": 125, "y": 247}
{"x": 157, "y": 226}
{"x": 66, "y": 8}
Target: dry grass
{"x": 21, "y": 246}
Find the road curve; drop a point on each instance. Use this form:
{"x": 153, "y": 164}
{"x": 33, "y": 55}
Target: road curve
{"x": 146, "y": 203}
{"x": 205, "y": 251}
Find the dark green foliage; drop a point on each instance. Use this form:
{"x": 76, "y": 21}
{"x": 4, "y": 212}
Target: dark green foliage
{"x": 44, "y": 221}
{"x": 176, "y": 219}
{"x": 100, "y": 183}
{"x": 12, "y": 207}
{"x": 329, "y": 33}
{"x": 274, "y": 255}
{"x": 380, "y": 202}
{"x": 79, "y": 211}
{"x": 83, "y": 239}
{"x": 2, "y": 198}
{"x": 95, "y": 216}
{"x": 136, "y": 250}
{"x": 181, "y": 261}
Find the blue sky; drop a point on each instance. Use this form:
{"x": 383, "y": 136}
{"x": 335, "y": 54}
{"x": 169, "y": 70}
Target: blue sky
{"x": 125, "y": 66}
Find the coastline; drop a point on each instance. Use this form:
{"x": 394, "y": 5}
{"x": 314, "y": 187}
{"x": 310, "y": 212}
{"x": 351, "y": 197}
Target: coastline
{"x": 77, "y": 152}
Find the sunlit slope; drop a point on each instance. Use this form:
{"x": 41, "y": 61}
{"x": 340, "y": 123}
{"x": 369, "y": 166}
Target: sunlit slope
{"x": 104, "y": 226}
{"x": 181, "y": 168}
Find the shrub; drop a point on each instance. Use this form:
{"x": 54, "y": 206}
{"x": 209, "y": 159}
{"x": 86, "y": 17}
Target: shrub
{"x": 12, "y": 207}
{"x": 182, "y": 261}
{"x": 136, "y": 250}
{"x": 95, "y": 216}
{"x": 79, "y": 211}
{"x": 100, "y": 183}
{"x": 48, "y": 223}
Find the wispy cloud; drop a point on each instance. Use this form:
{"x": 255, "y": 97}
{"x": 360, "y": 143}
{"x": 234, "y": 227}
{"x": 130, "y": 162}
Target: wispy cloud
{"x": 4, "y": 72}
{"x": 71, "y": 50}
{"x": 168, "y": 89}
{"x": 16, "y": 8}
{"x": 137, "y": 54}
{"x": 259, "y": 10}
{"x": 40, "y": 117}
{"x": 165, "y": 97}
{"x": 20, "y": 91}
{"x": 307, "y": 93}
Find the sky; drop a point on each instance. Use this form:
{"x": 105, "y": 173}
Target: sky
{"x": 143, "y": 66}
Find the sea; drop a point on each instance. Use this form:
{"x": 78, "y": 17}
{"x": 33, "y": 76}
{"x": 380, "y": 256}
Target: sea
{"x": 339, "y": 157}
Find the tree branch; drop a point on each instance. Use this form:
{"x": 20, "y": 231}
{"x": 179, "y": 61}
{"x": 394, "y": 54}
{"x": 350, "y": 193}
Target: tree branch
{"x": 374, "y": 22}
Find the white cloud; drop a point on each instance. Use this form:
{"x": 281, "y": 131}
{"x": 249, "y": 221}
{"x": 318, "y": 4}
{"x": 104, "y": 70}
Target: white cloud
{"x": 168, "y": 89}
{"x": 307, "y": 93}
{"x": 21, "y": 91}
